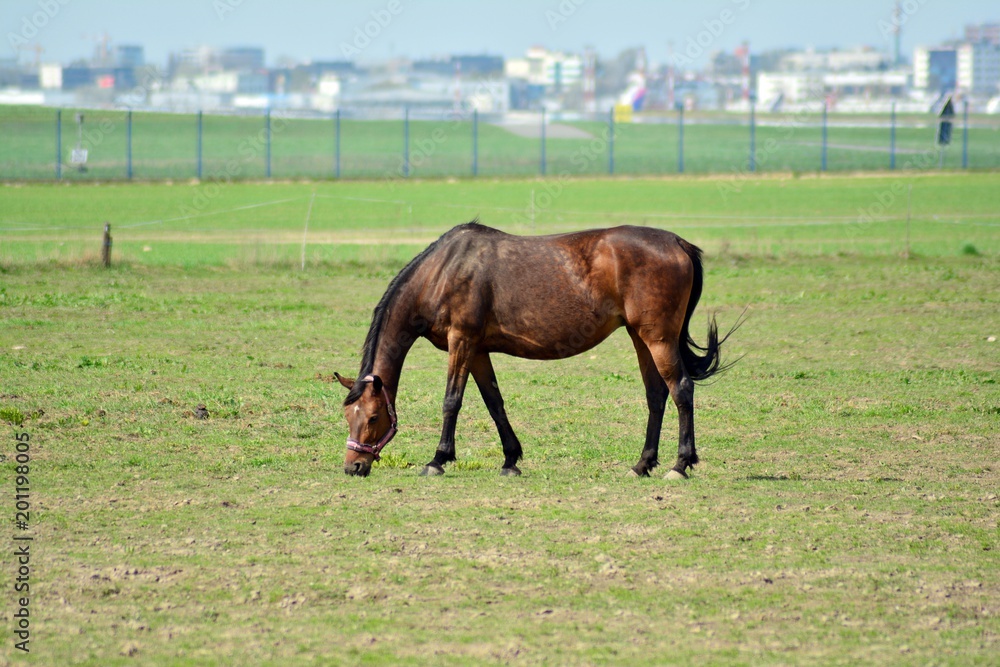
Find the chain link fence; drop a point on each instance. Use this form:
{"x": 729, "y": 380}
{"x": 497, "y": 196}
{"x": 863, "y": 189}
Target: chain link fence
{"x": 39, "y": 144}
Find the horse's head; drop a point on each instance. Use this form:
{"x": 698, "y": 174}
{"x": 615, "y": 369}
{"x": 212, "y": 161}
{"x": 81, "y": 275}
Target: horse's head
{"x": 371, "y": 422}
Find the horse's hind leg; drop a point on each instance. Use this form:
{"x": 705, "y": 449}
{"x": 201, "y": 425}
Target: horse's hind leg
{"x": 486, "y": 379}
{"x": 656, "y": 401}
{"x": 668, "y": 363}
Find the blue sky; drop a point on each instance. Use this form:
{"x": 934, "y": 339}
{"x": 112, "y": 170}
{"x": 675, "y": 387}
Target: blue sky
{"x": 421, "y": 28}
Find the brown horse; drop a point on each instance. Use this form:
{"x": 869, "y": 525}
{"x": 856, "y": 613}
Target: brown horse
{"x": 477, "y": 290}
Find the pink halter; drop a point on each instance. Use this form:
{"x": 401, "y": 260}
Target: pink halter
{"x": 356, "y": 446}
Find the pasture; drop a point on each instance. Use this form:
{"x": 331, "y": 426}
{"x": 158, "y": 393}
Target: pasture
{"x": 845, "y": 510}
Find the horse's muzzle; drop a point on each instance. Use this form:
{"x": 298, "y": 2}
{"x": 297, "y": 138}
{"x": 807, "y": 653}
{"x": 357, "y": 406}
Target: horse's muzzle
{"x": 358, "y": 468}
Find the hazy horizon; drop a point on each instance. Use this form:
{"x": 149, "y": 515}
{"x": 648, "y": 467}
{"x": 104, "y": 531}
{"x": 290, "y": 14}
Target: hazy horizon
{"x": 305, "y": 30}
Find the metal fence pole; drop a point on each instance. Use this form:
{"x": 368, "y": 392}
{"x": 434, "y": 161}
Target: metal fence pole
{"x": 892, "y": 138}
{"x": 201, "y": 145}
{"x": 543, "y": 165}
{"x": 965, "y": 134}
{"x": 128, "y": 144}
{"x": 680, "y": 139}
{"x": 823, "y": 153}
{"x": 406, "y": 142}
{"x": 58, "y": 144}
{"x": 267, "y": 131}
{"x": 475, "y": 142}
{"x": 336, "y": 148}
{"x": 611, "y": 141}
{"x": 753, "y": 135}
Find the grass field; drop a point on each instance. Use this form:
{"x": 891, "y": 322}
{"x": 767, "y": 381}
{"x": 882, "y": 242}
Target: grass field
{"x": 376, "y": 221}
{"x": 165, "y": 146}
{"x": 845, "y": 510}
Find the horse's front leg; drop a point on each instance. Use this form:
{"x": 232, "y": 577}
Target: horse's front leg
{"x": 459, "y": 353}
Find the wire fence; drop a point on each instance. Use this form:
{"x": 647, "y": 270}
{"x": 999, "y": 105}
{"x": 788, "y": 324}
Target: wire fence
{"x": 70, "y": 145}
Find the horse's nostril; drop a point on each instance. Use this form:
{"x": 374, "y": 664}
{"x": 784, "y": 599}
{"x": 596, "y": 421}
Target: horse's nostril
{"x": 357, "y": 466}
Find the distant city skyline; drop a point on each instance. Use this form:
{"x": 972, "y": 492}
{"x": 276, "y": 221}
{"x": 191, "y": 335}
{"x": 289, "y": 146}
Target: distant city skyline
{"x": 377, "y": 30}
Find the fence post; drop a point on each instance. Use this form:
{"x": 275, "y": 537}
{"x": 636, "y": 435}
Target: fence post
{"x": 475, "y": 142}
{"x": 892, "y": 138}
{"x": 611, "y": 141}
{"x": 106, "y": 246}
{"x": 753, "y": 134}
{"x": 965, "y": 134}
{"x": 406, "y": 142}
{"x": 201, "y": 145}
{"x": 58, "y": 144}
{"x": 823, "y": 154}
{"x": 267, "y": 131}
{"x": 336, "y": 148}
{"x": 680, "y": 138}
{"x": 128, "y": 144}
{"x": 542, "y": 166}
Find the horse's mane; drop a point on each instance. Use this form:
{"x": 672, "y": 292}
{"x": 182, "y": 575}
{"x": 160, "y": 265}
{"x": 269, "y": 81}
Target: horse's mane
{"x": 382, "y": 309}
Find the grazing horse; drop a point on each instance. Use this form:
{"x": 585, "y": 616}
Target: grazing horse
{"x": 478, "y": 290}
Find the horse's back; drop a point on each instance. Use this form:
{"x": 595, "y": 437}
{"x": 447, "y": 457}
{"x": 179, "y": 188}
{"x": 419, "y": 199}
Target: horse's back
{"x": 551, "y": 296}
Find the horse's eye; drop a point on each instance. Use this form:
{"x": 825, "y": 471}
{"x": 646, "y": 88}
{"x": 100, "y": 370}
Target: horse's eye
{"x": 373, "y": 419}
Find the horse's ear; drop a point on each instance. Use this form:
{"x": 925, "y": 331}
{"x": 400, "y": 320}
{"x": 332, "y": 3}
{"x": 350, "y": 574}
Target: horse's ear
{"x": 376, "y": 384}
{"x": 347, "y": 382}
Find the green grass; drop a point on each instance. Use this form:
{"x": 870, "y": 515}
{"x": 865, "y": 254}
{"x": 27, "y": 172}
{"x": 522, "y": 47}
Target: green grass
{"x": 845, "y": 510}
{"x": 245, "y": 223}
{"x": 164, "y": 146}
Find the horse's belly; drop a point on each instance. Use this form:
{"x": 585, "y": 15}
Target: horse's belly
{"x": 556, "y": 338}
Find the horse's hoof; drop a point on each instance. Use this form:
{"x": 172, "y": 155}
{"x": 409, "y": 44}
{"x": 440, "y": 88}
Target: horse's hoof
{"x": 675, "y": 474}
{"x": 513, "y": 471}
{"x": 633, "y": 473}
{"x": 431, "y": 471}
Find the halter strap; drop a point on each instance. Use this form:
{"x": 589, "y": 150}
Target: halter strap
{"x": 356, "y": 446}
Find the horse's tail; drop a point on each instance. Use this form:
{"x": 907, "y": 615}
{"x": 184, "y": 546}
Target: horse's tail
{"x": 701, "y": 366}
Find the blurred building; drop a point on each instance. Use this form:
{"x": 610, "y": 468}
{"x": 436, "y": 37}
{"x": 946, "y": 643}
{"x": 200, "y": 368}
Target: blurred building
{"x": 777, "y": 87}
{"x": 550, "y": 69}
{"x": 230, "y": 82}
{"x": 983, "y": 32}
{"x": 860, "y": 59}
{"x": 935, "y": 69}
{"x": 78, "y": 76}
{"x": 130, "y": 56}
{"x": 242, "y": 59}
{"x": 969, "y": 67}
{"x": 978, "y": 68}
{"x": 50, "y": 76}
{"x": 424, "y": 94}
{"x": 197, "y": 60}
{"x": 476, "y": 66}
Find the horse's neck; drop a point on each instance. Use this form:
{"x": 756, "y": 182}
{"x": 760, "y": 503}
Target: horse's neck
{"x": 395, "y": 340}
